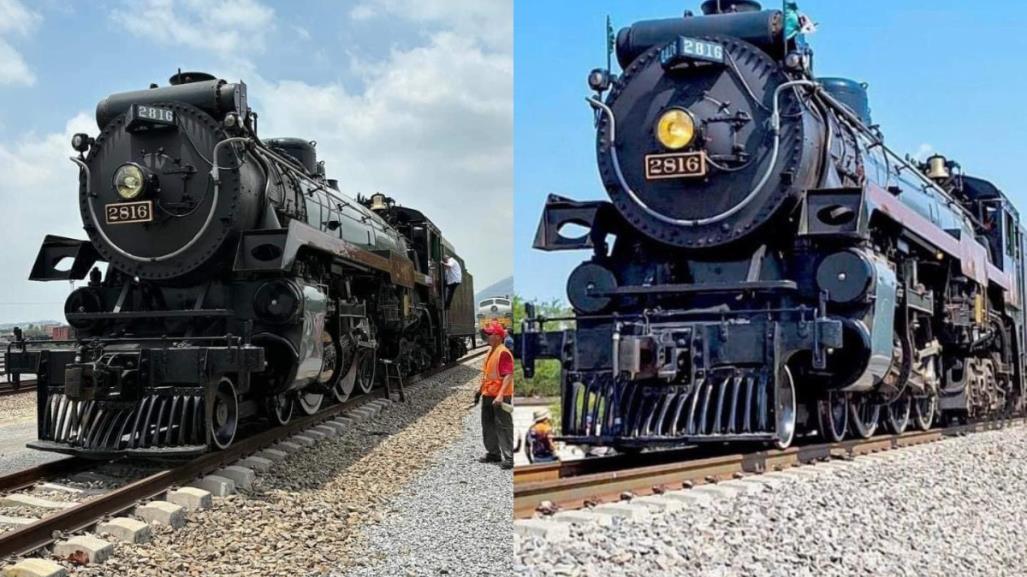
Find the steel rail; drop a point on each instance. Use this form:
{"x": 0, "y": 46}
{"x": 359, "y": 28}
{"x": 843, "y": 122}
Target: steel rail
{"x": 42, "y": 533}
{"x": 575, "y": 484}
{"x": 22, "y": 387}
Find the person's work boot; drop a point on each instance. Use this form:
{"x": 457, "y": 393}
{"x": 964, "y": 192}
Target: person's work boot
{"x": 490, "y": 458}
{"x": 506, "y": 465}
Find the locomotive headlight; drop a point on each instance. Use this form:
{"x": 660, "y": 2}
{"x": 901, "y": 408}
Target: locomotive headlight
{"x": 675, "y": 129}
{"x": 80, "y": 142}
{"x": 129, "y": 181}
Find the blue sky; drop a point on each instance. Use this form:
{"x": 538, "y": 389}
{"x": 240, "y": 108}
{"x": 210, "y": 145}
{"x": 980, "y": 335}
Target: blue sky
{"x": 944, "y": 75}
{"x": 409, "y": 97}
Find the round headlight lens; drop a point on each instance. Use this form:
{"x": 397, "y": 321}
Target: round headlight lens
{"x": 675, "y": 129}
{"x": 129, "y": 181}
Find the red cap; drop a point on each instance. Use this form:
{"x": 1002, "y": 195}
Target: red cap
{"x": 494, "y": 328}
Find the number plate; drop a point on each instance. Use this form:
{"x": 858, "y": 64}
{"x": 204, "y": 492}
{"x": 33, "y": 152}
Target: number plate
{"x": 677, "y": 165}
{"x": 685, "y": 48}
{"x": 128, "y": 212}
{"x": 154, "y": 115}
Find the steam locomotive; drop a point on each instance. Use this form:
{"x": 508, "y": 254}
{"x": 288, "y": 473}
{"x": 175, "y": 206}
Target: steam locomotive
{"x": 241, "y": 285}
{"x": 766, "y": 265}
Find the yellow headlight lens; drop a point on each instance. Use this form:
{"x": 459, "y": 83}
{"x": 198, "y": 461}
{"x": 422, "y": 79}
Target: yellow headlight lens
{"x": 129, "y": 181}
{"x": 676, "y": 129}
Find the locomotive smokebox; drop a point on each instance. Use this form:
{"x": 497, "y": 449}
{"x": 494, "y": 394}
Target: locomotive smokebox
{"x": 726, "y": 6}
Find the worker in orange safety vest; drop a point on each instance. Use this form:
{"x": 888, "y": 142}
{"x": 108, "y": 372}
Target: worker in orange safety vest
{"x": 496, "y": 394}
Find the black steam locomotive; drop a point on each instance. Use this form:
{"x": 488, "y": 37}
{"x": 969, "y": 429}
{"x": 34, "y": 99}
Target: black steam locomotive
{"x": 240, "y": 282}
{"x": 766, "y": 265}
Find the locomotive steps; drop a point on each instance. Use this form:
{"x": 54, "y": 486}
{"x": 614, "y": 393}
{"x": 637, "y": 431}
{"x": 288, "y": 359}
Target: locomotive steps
{"x": 131, "y": 508}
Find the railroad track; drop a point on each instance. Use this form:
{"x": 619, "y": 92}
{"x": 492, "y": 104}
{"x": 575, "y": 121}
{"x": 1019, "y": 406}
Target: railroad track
{"x": 7, "y": 388}
{"x": 576, "y": 484}
{"x": 79, "y": 516}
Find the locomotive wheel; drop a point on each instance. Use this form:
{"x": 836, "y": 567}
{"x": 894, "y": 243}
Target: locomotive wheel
{"x": 833, "y": 416}
{"x": 366, "y": 365}
{"x": 279, "y": 408}
{"x": 344, "y": 387}
{"x": 224, "y": 415}
{"x": 310, "y": 403}
{"x": 785, "y": 412}
{"x": 864, "y": 417}
{"x": 924, "y": 410}
{"x": 896, "y": 415}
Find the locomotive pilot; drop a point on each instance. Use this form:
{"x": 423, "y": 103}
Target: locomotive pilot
{"x": 496, "y": 395}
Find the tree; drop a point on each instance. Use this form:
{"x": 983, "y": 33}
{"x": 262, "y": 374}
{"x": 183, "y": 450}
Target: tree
{"x": 546, "y": 382}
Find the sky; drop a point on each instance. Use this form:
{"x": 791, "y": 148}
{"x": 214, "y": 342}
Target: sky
{"x": 944, "y": 76}
{"x": 408, "y": 97}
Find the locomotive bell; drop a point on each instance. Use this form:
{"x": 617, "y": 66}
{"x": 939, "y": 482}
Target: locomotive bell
{"x": 378, "y": 201}
{"x": 937, "y": 168}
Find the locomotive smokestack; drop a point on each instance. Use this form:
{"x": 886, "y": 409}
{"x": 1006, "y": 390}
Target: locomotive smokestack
{"x": 189, "y": 77}
{"x": 727, "y": 6}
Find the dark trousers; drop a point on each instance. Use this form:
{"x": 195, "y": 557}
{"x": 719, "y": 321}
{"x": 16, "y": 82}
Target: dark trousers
{"x": 497, "y": 429}
{"x": 450, "y": 291}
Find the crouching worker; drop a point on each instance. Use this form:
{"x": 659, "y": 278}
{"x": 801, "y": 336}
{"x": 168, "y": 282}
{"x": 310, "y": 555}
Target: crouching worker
{"x": 541, "y": 448}
{"x": 496, "y": 395}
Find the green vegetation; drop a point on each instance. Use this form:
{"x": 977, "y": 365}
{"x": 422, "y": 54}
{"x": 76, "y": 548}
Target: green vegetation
{"x": 546, "y": 382}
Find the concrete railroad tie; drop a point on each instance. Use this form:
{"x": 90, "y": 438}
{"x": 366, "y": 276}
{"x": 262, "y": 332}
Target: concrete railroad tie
{"x": 162, "y": 512}
{"x": 84, "y": 547}
{"x": 30, "y": 501}
{"x": 241, "y": 476}
{"x": 216, "y": 485}
{"x": 191, "y": 498}
{"x": 126, "y": 530}
{"x": 35, "y": 568}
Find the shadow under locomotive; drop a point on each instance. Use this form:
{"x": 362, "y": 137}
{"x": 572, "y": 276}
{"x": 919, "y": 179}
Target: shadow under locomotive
{"x": 240, "y": 285}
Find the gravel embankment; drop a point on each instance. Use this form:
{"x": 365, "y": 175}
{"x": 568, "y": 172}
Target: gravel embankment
{"x": 455, "y": 519}
{"x": 956, "y": 507}
{"x": 306, "y": 515}
{"x": 17, "y": 427}
{"x": 17, "y": 408}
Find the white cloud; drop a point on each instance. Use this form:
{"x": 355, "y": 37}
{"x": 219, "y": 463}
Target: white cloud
{"x": 40, "y": 186}
{"x": 432, "y": 127}
{"x": 15, "y": 20}
{"x": 13, "y": 68}
{"x": 489, "y": 22}
{"x": 220, "y": 26}
{"x": 923, "y": 151}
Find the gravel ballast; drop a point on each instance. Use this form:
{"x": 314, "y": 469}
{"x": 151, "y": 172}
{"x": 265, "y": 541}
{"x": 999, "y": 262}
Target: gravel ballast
{"x": 17, "y": 427}
{"x": 954, "y": 507}
{"x": 306, "y": 516}
{"x": 17, "y": 408}
{"x": 455, "y": 519}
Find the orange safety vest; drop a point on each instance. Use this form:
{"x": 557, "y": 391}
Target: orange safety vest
{"x": 491, "y": 381}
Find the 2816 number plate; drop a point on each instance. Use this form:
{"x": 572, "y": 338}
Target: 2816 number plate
{"x": 128, "y": 212}
{"x": 677, "y": 165}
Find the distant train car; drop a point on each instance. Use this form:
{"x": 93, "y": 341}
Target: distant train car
{"x": 499, "y": 309}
